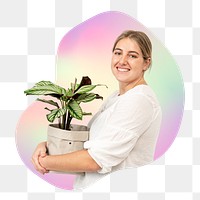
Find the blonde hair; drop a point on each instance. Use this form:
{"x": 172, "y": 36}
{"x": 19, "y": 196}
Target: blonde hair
{"x": 142, "y": 40}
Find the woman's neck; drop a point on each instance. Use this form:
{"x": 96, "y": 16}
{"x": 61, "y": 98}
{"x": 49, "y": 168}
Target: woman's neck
{"x": 124, "y": 87}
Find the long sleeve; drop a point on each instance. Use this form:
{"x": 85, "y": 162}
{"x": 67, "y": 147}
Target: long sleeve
{"x": 118, "y": 129}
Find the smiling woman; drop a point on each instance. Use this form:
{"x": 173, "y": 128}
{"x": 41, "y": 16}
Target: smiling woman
{"x": 124, "y": 132}
{"x": 131, "y": 58}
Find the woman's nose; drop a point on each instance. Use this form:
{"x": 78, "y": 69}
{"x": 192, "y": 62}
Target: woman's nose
{"x": 123, "y": 59}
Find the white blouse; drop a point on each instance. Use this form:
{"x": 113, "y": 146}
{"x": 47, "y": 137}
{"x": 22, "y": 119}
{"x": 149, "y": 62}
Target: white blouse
{"x": 123, "y": 133}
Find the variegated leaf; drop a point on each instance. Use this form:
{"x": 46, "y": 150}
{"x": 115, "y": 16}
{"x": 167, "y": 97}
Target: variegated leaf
{"x": 75, "y": 110}
{"x": 45, "y": 88}
{"x": 86, "y": 97}
{"x": 51, "y": 102}
{"x": 56, "y": 113}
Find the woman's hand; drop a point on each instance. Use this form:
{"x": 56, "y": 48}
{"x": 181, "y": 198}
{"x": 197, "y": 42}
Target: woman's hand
{"x": 39, "y": 152}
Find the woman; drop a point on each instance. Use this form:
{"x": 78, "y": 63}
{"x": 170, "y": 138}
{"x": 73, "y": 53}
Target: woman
{"x": 124, "y": 132}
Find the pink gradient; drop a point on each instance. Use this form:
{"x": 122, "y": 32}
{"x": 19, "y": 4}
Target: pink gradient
{"x": 86, "y": 50}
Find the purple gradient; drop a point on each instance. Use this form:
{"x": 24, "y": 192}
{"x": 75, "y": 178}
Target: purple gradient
{"x": 86, "y": 50}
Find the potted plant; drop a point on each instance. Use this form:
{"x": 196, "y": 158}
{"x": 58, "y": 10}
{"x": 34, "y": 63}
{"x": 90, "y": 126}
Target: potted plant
{"x": 64, "y": 137}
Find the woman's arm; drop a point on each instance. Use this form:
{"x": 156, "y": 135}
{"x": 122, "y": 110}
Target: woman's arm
{"x": 78, "y": 161}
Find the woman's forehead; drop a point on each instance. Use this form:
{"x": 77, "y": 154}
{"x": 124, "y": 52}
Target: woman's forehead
{"x": 127, "y": 44}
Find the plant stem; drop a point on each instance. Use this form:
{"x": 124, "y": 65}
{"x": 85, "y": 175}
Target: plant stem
{"x": 74, "y": 88}
{"x": 59, "y": 122}
{"x": 64, "y": 116}
{"x": 63, "y": 121}
{"x": 69, "y": 118}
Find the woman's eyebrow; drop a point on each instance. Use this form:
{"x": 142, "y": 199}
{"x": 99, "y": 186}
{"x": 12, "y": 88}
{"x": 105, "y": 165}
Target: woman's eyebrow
{"x": 118, "y": 49}
{"x": 134, "y": 52}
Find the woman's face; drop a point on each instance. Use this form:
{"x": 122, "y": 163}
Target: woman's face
{"x": 128, "y": 64}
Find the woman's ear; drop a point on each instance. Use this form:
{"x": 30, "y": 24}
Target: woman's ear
{"x": 147, "y": 64}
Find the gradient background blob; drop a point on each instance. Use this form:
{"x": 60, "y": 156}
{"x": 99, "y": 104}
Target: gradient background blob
{"x": 86, "y": 51}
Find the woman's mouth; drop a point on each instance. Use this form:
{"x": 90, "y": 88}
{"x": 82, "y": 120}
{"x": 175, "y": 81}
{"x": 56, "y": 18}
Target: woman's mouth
{"x": 123, "y": 69}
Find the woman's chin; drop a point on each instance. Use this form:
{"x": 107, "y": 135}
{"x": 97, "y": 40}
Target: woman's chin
{"x": 122, "y": 76}
{"x": 123, "y": 80}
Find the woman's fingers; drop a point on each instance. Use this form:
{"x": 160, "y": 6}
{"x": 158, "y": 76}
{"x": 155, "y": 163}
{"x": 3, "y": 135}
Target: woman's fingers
{"x": 43, "y": 154}
{"x": 38, "y": 167}
{"x": 40, "y": 151}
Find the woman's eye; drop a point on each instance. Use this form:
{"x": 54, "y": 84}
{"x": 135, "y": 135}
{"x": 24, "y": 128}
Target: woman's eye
{"x": 117, "y": 53}
{"x": 132, "y": 56}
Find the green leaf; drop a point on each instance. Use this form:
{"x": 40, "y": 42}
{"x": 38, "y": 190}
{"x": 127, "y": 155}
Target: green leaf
{"x": 45, "y": 88}
{"x": 86, "y": 97}
{"x": 85, "y": 81}
{"x": 85, "y": 88}
{"x": 77, "y": 85}
{"x": 75, "y": 110}
{"x": 84, "y": 113}
{"x": 42, "y": 83}
{"x": 56, "y": 113}
{"x": 69, "y": 93}
{"x": 49, "y": 102}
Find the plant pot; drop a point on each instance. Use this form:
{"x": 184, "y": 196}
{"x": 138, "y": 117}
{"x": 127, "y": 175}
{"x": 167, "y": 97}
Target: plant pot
{"x": 61, "y": 141}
